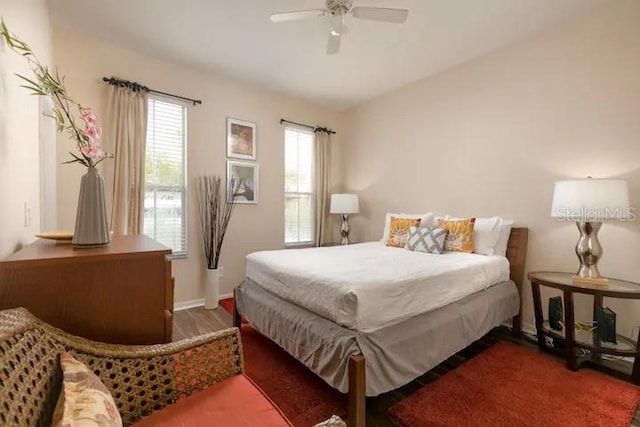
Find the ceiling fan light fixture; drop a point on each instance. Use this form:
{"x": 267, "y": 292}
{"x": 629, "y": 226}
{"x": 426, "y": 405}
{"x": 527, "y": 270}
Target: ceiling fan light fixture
{"x": 336, "y": 10}
{"x": 339, "y": 7}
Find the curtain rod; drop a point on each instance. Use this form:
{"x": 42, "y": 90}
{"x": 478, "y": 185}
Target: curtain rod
{"x": 315, "y": 128}
{"x": 137, "y": 87}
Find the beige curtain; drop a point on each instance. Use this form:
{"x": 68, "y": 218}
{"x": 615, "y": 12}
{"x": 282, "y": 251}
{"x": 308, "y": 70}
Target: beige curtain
{"x": 127, "y": 132}
{"x": 322, "y": 162}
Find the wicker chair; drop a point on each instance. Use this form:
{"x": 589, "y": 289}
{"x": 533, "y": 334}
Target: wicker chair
{"x": 142, "y": 379}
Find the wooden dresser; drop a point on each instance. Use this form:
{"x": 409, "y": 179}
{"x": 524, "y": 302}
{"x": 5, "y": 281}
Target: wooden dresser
{"x": 120, "y": 294}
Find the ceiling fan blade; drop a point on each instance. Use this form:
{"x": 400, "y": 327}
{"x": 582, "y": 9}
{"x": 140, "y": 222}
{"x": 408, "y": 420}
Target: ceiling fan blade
{"x": 395, "y": 16}
{"x": 297, "y": 15}
{"x": 333, "y": 46}
{"x": 337, "y": 25}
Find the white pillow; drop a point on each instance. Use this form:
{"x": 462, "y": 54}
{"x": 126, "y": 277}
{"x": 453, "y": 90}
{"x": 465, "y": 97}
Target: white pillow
{"x": 503, "y": 241}
{"x": 486, "y": 233}
{"x": 426, "y": 220}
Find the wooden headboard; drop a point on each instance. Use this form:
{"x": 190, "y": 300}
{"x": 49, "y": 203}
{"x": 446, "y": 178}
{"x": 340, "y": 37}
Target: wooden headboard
{"x": 517, "y": 254}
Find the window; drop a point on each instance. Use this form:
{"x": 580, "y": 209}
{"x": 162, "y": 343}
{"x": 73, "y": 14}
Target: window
{"x": 164, "y": 188}
{"x": 299, "y": 216}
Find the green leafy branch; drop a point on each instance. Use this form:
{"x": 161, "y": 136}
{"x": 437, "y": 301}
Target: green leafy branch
{"x": 47, "y": 84}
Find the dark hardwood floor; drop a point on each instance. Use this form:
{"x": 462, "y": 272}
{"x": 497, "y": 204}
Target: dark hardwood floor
{"x": 196, "y": 321}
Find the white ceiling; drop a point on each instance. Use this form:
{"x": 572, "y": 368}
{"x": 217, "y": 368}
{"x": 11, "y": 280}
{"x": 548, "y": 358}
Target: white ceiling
{"x": 236, "y": 38}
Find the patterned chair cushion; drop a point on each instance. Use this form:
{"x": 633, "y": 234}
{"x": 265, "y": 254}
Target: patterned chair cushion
{"x": 429, "y": 240}
{"x": 84, "y": 400}
{"x": 399, "y": 230}
{"x": 459, "y": 234}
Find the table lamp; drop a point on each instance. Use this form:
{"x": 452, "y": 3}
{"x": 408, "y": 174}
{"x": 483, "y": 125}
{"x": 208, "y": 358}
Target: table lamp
{"x": 589, "y": 202}
{"x": 345, "y": 205}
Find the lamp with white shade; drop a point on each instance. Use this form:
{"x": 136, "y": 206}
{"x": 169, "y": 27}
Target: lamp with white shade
{"x": 589, "y": 202}
{"x": 345, "y": 205}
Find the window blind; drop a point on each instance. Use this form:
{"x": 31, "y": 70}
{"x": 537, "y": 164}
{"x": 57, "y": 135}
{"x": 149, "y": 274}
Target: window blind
{"x": 299, "y": 215}
{"x": 165, "y": 170}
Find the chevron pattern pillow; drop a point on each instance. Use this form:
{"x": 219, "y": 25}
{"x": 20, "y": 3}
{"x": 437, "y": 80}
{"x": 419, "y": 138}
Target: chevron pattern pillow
{"x": 430, "y": 240}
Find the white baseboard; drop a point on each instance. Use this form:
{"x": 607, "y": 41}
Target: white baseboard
{"x": 529, "y": 328}
{"x": 185, "y": 305}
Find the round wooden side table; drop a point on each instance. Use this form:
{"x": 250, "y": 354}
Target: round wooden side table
{"x": 573, "y": 339}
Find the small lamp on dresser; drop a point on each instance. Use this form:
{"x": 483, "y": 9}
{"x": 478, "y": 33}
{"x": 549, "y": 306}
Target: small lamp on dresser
{"x": 589, "y": 202}
{"x": 345, "y": 205}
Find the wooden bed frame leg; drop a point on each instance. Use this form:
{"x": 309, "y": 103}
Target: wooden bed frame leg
{"x": 357, "y": 390}
{"x": 237, "y": 318}
{"x": 516, "y": 326}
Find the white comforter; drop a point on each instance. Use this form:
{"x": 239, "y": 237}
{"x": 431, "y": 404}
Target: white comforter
{"x": 369, "y": 286}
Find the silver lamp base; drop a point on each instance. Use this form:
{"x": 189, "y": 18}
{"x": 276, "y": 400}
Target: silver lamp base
{"x": 589, "y": 252}
{"x": 344, "y": 230}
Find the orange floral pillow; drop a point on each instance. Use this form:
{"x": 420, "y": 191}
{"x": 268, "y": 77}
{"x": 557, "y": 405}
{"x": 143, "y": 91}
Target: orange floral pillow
{"x": 460, "y": 234}
{"x": 399, "y": 230}
{"x": 84, "y": 399}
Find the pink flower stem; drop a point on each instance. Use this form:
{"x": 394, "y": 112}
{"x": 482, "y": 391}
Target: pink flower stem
{"x": 73, "y": 126}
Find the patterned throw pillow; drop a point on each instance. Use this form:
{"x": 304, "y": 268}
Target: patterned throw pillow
{"x": 84, "y": 400}
{"x": 460, "y": 234}
{"x": 399, "y": 230}
{"x": 430, "y": 240}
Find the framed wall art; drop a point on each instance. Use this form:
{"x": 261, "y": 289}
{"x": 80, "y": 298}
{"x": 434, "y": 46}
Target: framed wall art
{"x": 243, "y": 177}
{"x": 241, "y": 139}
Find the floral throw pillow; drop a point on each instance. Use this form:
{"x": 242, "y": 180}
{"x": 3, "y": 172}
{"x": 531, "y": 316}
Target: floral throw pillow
{"x": 84, "y": 400}
{"x": 460, "y": 234}
{"x": 399, "y": 230}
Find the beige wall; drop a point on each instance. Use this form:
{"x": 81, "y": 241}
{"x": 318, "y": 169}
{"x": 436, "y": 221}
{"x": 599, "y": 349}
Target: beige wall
{"x": 19, "y": 124}
{"x": 491, "y": 136}
{"x": 253, "y": 227}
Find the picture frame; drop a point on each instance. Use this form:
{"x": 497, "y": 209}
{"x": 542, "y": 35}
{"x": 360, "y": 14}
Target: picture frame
{"x": 241, "y": 139}
{"x": 244, "y": 176}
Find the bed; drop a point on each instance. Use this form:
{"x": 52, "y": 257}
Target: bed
{"x": 322, "y": 306}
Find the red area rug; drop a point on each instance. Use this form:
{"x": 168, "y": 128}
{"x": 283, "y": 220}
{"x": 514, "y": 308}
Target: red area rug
{"x": 301, "y": 395}
{"x": 227, "y": 304}
{"x": 509, "y": 385}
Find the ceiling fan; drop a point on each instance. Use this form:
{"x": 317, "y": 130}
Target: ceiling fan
{"x": 337, "y": 10}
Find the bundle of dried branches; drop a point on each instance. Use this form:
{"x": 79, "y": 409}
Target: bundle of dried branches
{"x": 214, "y": 213}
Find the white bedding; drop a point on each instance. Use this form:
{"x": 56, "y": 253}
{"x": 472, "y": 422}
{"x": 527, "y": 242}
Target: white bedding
{"x": 368, "y": 286}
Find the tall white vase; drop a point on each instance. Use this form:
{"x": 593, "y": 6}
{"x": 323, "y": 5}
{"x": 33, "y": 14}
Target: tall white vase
{"x": 212, "y": 287}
